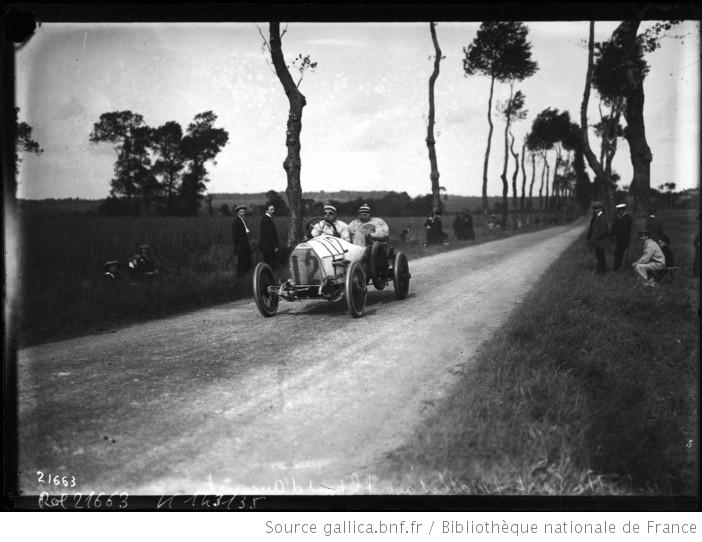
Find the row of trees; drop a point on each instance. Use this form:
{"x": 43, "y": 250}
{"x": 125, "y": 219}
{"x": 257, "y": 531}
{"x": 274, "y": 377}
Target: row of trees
{"x": 165, "y": 163}
{"x": 616, "y": 68}
{"x": 159, "y": 164}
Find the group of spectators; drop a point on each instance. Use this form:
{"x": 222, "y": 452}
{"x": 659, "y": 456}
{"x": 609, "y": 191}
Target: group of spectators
{"x": 655, "y": 245}
{"x": 656, "y": 255}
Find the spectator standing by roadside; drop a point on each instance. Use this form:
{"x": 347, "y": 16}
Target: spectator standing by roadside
{"x": 621, "y": 233}
{"x": 470, "y": 231}
{"x": 652, "y": 258}
{"x": 434, "y": 229}
{"x": 459, "y": 226}
{"x": 240, "y": 235}
{"x": 268, "y": 237}
{"x": 598, "y": 236}
{"x": 653, "y": 226}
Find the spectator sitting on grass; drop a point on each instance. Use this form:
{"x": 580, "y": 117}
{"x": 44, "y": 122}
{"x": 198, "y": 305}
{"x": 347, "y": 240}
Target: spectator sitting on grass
{"x": 652, "y": 258}
{"x": 113, "y": 274}
{"x": 143, "y": 263}
{"x": 111, "y": 270}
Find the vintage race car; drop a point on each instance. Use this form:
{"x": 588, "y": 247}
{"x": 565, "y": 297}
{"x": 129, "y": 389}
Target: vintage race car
{"x": 331, "y": 268}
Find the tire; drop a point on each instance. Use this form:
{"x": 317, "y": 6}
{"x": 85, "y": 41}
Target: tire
{"x": 266, "y": 302}
{"x": 378, "y": 265}
{"x": 355, "y": 290}
{"x": 401, "y": 276}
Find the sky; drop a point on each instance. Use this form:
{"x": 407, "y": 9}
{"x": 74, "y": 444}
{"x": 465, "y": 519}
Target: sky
{"x": 365, "y": 122}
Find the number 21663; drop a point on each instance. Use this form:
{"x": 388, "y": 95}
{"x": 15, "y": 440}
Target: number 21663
{"x": 59, "y": 480}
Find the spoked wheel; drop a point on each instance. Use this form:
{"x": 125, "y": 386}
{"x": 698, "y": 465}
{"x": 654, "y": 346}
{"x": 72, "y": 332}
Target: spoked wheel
{"x": 401, "y": 275}
{"x": 378, "y": 265}
{"x": 355, "y": 291}
{"x": 266, "y": 301}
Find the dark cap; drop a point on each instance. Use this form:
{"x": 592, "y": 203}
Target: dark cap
{"x": 596, "y": 205}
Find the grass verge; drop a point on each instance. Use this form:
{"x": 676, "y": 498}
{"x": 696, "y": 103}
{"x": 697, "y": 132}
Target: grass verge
{"x": 590, "y": 388}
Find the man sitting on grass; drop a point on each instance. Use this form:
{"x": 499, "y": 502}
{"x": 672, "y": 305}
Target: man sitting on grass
{"x": 652, "y": 258}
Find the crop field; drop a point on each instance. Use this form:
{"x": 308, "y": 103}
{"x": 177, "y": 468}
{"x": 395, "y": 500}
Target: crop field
{"x": 63, "y": 292}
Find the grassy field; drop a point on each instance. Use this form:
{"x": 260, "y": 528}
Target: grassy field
{"x": 63, "y": 293}
{"x": 590, "y": 388}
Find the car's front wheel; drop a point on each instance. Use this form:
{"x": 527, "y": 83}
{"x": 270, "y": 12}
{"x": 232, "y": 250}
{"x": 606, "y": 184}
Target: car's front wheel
{"x": 266, "y": 301}
{"x": 355, "y": 290}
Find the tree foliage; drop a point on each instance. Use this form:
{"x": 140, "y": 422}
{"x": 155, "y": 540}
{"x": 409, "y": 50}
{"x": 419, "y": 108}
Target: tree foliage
{"x": 150, "y": 161}
{"x": 201, "y": 143}
{"x": 500, "y": 51}
{"x": 618, "y": 72}
{"x": 167, "y": 146}
{"x": 23, "y": 140}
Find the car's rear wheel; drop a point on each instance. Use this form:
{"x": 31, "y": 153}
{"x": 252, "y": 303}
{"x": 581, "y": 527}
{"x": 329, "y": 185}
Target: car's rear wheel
{"x": 378, "y": 265}
{"x": 355, "y": 290}
{"x": 266, "y": 301}
{"x": 401, "y": 275}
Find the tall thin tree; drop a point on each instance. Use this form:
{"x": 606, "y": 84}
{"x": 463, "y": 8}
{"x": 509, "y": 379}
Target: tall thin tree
{"x": 296, "y": 101}
{"x": 500, "y": 51}
{"x": 431, "y": 143}
{"x": 512, "y": 111}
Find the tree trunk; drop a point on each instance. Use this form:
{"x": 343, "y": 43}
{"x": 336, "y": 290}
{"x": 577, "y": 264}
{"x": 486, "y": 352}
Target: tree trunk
{"x": 592, "y": 161}
{"x": 487, "y": 154}
{"x": 541, "y": 186}
{"x": 548, "y": 176}
{"x": 533, "y": 178}
{"x": 292, "y": 163}
{"x": 635, "y": 132}
{"x": 434, "y": 175}
{"x": 503, "y": 175}
{"x": 521, "y": 201}
{"x": 515, "y": 155}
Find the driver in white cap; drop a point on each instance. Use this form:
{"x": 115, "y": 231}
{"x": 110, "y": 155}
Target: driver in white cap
{"x": 331, "y": 225}
{"x": 366, "y": 229}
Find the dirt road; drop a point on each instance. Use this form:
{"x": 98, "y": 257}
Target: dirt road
{"x": 223, "y": 401}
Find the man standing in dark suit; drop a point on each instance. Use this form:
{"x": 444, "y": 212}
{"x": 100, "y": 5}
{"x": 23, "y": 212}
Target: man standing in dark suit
{"x": 240, "y": 234}
{"x": 268, "y": 237}
{"x": 654, "y": 226}
{"x": 621, "y": 233}
{"x": 599, "y": 236}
